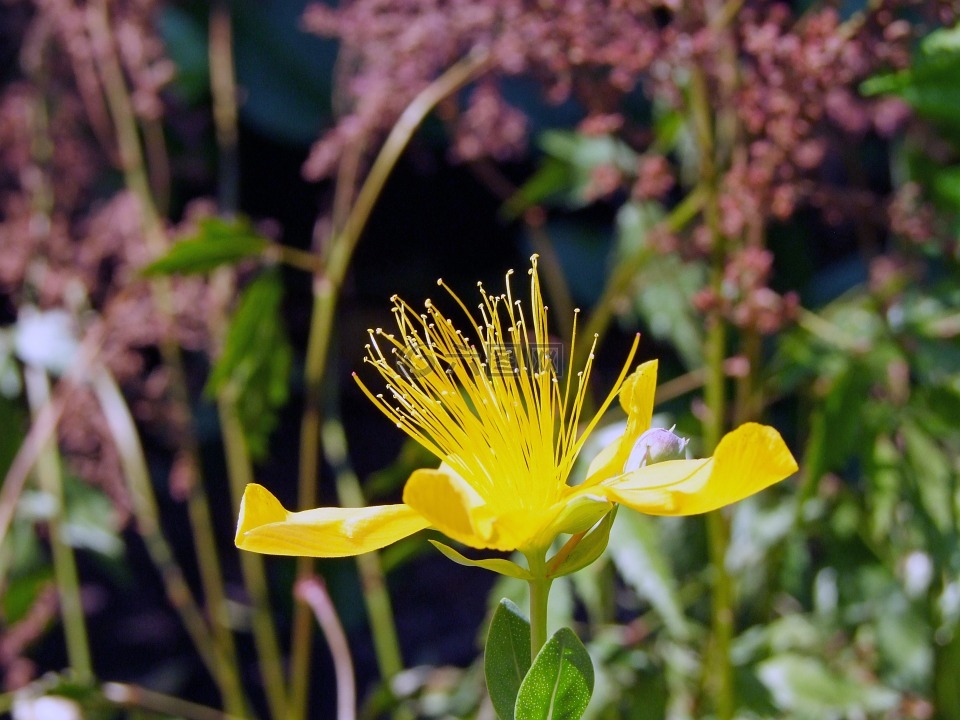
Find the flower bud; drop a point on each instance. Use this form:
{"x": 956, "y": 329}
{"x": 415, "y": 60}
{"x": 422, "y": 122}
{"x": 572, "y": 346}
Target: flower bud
{"x": 656, "y": 445}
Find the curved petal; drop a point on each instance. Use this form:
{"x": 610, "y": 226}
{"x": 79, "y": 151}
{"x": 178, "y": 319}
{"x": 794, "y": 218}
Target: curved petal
{"x": 605, "y": 463}
{"x": 636, "y": 399}
{"x": 452, "y": 507}
{"x": 747, "y": 460}
{"x": 636, "y": 395}
{"x": 266, "y": 527}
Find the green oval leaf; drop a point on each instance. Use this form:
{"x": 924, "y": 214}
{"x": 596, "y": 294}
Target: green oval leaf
{"x": 560, "y": 681}
{"x": 506, "y": 657}
{"x": 497, "y": 565}
{"x": 217, "y": 242}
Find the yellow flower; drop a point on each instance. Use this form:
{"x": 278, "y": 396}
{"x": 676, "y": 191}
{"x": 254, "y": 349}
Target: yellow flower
{"x": 505, "y": 424}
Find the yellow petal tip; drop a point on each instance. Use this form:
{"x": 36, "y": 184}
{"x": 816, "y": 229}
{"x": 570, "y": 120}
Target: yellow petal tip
{"x": 257, "y": 508}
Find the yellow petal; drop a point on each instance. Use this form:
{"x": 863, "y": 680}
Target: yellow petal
{"x": 636, "y": 399}
{"x": 266, "y": 527}
{"x": 451, "y": 506}
{"x": 636, "y": 395}
{"x": 747, "y": 460}
{"x": 604, "y": 464}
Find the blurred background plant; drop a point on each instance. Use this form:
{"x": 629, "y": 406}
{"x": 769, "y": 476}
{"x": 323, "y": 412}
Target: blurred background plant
{"x": 769, "y": 192}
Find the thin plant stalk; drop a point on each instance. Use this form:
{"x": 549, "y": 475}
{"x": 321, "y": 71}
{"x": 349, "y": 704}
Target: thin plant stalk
{"x": 625, "y": 273}
{"x": 147, "y": 514}
{"x": 41, "y": 430}
{"x": 240, "y": 473}
{"x": 223, "y": 91}
{"x": 335, "y": 258}
{"x": 313, "y": 593}
{"x": 50, "y": 480}
{"x": 134, "y": 697}
{"x": 375, "y": 595}
{"x": 719, "y": 666}
{"x": 137, "y": 181}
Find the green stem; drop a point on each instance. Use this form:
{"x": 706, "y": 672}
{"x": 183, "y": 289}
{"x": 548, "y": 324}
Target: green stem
{"x": 223, "y": 91}
{"x": 718, "y": 531}
{"x": 50, "y": 480}
{"x": 147, "y": 514}
{"x": 136, "y": 180}
{"x": 240, "y": 473}
{"x": 625, "y": 273}
{"x": 372, "y": 579}
{"x": 720, "y": 668}
{"x": 539, "y": 598}
{"x": 134, "y": 697}
{"x": 327, "y": 282}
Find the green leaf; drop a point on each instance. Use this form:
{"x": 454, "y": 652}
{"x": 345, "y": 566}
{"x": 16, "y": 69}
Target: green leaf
{"x": 566, "y": 171}
{"x": 552, "y": 178}
{"x": 587, "y": 151}
{"x": 497, "y": 565}
{"x": 807, "y": 687}
{"x": 665, "y": 285}
{"x": 506, "y": 657}
{"x": 559, "y": 684}
{"x": 217, "y": 242}
{"x": 255, "y": 364}
{"x": 90, "y": 520}
{"x": 636, "y": 549}
{"x": 588, "y": 549}
{"x": 929, "y": 85}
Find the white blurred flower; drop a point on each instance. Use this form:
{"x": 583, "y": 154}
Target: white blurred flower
{"x": 46, "y": 339}
{"x": 917, "y": 573}
{"x": 48, "y": 707}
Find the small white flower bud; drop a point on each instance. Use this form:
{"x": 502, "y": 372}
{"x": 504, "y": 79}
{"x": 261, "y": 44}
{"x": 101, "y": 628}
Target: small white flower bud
{"x": 656, "y": 445}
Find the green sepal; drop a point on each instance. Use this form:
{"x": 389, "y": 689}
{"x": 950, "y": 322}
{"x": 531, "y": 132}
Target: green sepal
{"x": 497, "y": 565}
{"x": 580, "y": 514}
{"x": 506, "y": 657}
{"x": 587, "y": 550}
{"x": 559, "y": 684}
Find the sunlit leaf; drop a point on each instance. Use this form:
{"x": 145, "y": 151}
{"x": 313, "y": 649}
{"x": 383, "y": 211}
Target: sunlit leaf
{"x": 506, "y": 658}
{"x": 638, "y": 555}
{"x": 559, "y": 684}
{"x": 806, "y": 686}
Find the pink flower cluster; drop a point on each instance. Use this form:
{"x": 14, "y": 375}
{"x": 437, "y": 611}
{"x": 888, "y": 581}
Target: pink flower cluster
{"x": 783, "y": 86}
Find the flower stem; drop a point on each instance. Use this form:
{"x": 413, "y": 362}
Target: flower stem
{"x": 135, "y": 697}
{"x": 144, "y": 505}
{"x": 313, "y": 592}
{"x": 133, "y": 165}
{"x": 372, "y": 580}
{"x": 328, "y": 279}
{"x": 50, "y": 480}
{"x": 223, "y": 91}
{"x": 719, "y": 668}
{"x": 539, "y": 597}
{"x": 240, "y": 472}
